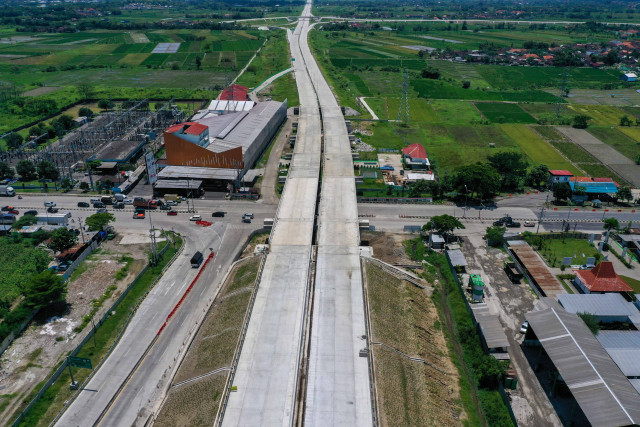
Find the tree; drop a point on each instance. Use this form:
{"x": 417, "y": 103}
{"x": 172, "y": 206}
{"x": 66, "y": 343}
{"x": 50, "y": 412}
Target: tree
{"x": 14, "y": 140}
{"x": 479, "y": 178}
{"x": 418, "y": 188}
{"x": 430, "y": 73}
{"x": 26, "y": 170}
{"x": 591, "y": 321}
{"x": 511, "y": 165}
{"x": 97, "y": 222}
{"x": 581, "y": 121}
{"x": 625, "y": 121}
{"x": 489, "y": 372}
{"x": 47, "y": 170}
{"x": 624, "y": 193}
{"x": 24, "y": 221}
{"x": 84, "y": 186}
{"x": 198, "y": 62}
{"x": 105, "y": 104}
{"x": 611, "y": 224}
{"x": 561, "y": 190}
{"x": 66, "y": 184}
{"x": 62, "y": 239}
{"x": 44, "y": 289}
{"x": 93, "y": 164}
{"x": 86, "y": 90}
{"x": 6, "y": 171}
{"x": 538, "y": 175}
{"x": 85, "y": 112}
{"x": 466, "y": 84}
{"x": 495, "y": 235}
{"x": 443, "y": 224}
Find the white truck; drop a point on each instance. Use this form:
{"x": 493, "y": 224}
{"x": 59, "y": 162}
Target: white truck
{"x": 7, "y": 191}
{"x": 54, "y": 219}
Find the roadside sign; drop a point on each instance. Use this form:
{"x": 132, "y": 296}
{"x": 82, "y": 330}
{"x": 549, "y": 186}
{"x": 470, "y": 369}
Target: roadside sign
{"x": 80, "y": 362}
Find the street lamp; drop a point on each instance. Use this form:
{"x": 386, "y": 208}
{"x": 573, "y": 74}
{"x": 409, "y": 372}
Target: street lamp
{"x": 466, "y": 196}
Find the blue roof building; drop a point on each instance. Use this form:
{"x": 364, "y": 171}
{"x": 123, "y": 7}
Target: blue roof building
{"x": 596, "y": 187}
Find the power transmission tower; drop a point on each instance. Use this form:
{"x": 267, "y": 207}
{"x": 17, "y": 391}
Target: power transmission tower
{"x": 564, "y": 90}
{"x": 403, "y": 108}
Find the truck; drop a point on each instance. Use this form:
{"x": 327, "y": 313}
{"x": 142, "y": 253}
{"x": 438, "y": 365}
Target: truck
{"x": 141, "y": 202}
{"x": 7, "y": 191}
{"x": 54, "y": 219}
{"x": 172, "y": 197}
{"x": 119, "y": 197}
{"x": 510, "y": 268}
{"x": 7, "y": 219}
{"x": 196, "y": 259}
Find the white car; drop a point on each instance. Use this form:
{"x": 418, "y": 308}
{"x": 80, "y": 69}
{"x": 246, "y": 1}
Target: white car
{"x": 127, "y": 201}
{"x": 195, "y": 218}
{"x": 49, "y": 204}
{"x": 247, "y": 215}
{"x": 524, "y": 327}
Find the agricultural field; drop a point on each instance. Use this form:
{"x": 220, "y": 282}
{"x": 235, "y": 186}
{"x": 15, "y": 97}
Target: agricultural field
{"x": 601, "y": 115}
{"x": 619, "y": 140}
{"x": 537, "y": 150}
{"x": 498, "y": 112}
{"x": 519, "y": 78}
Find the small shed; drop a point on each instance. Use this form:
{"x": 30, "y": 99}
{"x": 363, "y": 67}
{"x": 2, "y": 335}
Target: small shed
{"x": 629, "y": 77}
{"x": 457, "y": 259}
{"x": 436, "y": 241}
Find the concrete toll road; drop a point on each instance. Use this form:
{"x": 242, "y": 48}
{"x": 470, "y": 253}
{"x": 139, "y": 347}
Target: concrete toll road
{"x": 338, "y": 383}
{"x": 266, "y": 375}
{"x": 106, "y": 396}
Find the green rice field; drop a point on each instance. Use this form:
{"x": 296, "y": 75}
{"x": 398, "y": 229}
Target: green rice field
{"x": 498, "y": 112}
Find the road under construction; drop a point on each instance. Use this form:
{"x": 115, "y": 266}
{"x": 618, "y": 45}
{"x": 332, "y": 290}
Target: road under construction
{"x": 300, "y": 360}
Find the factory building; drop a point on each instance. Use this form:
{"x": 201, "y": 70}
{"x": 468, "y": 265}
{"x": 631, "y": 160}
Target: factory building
{"x": 220, "y": 149}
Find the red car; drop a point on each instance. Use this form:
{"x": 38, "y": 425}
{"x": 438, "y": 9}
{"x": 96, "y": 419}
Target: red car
{"x": 13, "y": 212}
{"x": 172, "y": 213}
{"x": 138, "y": 215}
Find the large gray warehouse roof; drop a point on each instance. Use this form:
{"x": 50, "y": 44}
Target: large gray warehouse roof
{"x": 239, "y": 129}
{"x": 611, "y": 304}
{"x": 624, "y": 349}
{"x": 604, "y": 394}
{"x": 490, "y": 326}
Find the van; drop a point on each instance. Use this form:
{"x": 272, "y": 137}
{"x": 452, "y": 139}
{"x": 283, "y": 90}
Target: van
{"x": 196, "y": 259}
{"x": 94, "y": 200}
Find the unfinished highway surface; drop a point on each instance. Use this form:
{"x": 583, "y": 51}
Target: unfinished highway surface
{"x": 267, "y": 373}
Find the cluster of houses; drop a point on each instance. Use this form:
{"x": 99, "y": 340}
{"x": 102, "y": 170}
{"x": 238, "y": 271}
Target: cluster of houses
{"x": 594, "y": 188}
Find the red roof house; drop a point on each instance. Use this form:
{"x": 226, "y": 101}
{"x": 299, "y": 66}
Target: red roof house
{"x": 191, "y": 131}
{"x": 234, "y": 93}
{"x": 601, "y": 278}
{"x": 560, "y": 176}
{"x": 415, "y": 151}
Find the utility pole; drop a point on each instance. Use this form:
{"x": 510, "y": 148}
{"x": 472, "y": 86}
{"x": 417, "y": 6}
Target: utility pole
{"x": 152, "y": 234}
{"x": 81, "y": 229}
{"x": 466, "y": 196}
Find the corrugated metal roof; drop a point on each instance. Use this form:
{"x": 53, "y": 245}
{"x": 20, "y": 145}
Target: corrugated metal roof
{"x": 598, "y": 304}
{"x": 457, "y": 258}
{"x": 193, "y": 172}
{"x": 220, "y": 105}
{"x": 636, "y": 384}
{"x": 619, "y": 339}
{"x": 628, "y": 360}
{"x": 490, "y": 326}
{"x": 603, "y": 392}
{"x": 178, "y": 183}
{"x": 538, "y": 271}
{"x": 596, "y": 187}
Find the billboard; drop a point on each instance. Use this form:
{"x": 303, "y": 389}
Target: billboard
{"x": 152, "y": 170}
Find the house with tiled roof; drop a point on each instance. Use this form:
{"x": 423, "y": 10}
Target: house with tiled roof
{"x": 559, "y": 176}
{"x": 600, "y": 279}
{"x": 415, "y": 157}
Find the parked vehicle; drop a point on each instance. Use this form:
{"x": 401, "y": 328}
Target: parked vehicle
{"x": 165, "y": 208}
{"x": 7, "y": 219}
{"x": 172, "y": 213}
{"x": 6, "y": 191}
{"x": 196, "y": 259}
{"x": 34, "y": 213}
{"x": 512, "y": 271}
{"x": 196, "y": 218}
{"x": 83, "y": 205}
{"x": 218, "y": 214}
{"x": 49, "y": 204}
{"x": 525, "y": 327}
{"x": 52, "y": 210}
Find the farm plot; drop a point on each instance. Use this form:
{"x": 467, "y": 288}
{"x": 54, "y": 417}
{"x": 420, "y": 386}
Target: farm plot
{"x": 510, "y": 78}
{"x": 537, "y": 149}
{"x": 572, "y": 151}
{"x": 619, "y": 97}
{"x": 212, "y": 349}
{"x": 453, "y": 111}
{"x": 156, "y": 59}
{"x": 134, "y": 58}
{"x": 420, "y": 111}
{"x": 612, "y": 158}
{"x": 403, "y": 317}
{"x": 443, "y": 90}
{"x": 497, "y": 112}
{"x": 623, "y": 143}
{"x": 601, "y": 115}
